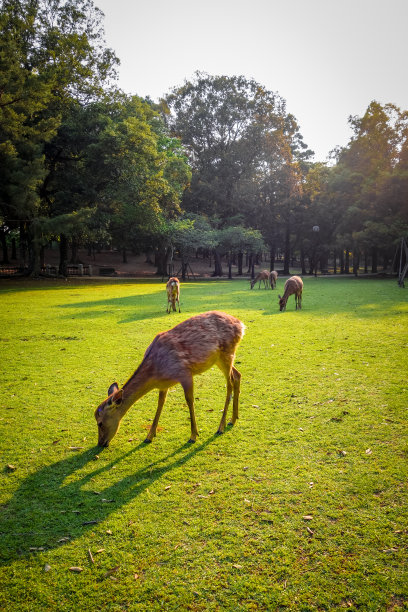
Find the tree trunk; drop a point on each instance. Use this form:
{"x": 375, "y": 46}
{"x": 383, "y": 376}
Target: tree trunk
{"x": 240, "y": 259}
{"x": 334, "y": 262}
{"x": 148, "y": 257}
{"x": 184, "y": 264}
{"x": 347, "y": 262}
{"x": 3, "y": 241}
{"x": 161, "y": 259}
{"x": 23, "y": 243}
{"x": 13, "y": 249}
{"x": 34, "y": 268}
{"x": 342, "y": 261}
{"x": 63, "y": 250}
{"x": 303, "y": 261}
{"x": 272, "y": 258}
{"x": 356, "y": 262}
{"x": 217, "y": 263}
{"x": 286, "y": 262}
{"x": 249, "y": 262}
{"x": 324, "y": 261}
{"x": 311, "y": 263}
{"x": 229, "y": 266}
{"x": 74, "y": 251}
{"x": 374, "y": 260}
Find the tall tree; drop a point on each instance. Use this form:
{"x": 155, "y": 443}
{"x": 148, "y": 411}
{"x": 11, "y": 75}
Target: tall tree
{"x": 52, "y": 51}
{"x": 221, "y": 120}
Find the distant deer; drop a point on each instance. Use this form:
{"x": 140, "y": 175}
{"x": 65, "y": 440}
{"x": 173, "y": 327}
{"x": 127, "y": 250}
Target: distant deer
{"x": 294, "y": 285}
{"x": 273, "y": 277}
{"x": 173, "y": 294}
{"x": 176, "y": 356}
{"x": 261, "y": 277}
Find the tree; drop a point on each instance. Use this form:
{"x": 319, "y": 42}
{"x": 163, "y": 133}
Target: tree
{"x": 369, "y": 181}
{"x": 247, "y": 154}
{"x": 221, "y": 121}
{"x": 52, "y": 52}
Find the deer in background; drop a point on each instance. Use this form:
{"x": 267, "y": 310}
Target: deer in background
{"x": 176, "y": 356}
{"x": 273, "y": 277}
{"x": 294, "y": 285}
{"x": 173, "y": 294}
{"x": 261, "y": 277}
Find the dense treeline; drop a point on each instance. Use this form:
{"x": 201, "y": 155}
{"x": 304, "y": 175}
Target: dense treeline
{"x": 218, "y": 165}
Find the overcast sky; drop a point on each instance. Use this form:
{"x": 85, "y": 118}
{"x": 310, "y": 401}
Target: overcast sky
{"x": 327, "y": 58}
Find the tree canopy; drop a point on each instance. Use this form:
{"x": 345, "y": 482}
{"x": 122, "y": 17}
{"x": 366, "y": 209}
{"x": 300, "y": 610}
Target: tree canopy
{"x": 219, "y": 164}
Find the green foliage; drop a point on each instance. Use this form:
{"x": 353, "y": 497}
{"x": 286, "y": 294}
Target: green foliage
{"x": 369, "y": 183}
{"x": 247, "y": 154}
{"x": 52, "y": 57}
{"x": 220, "y": 524}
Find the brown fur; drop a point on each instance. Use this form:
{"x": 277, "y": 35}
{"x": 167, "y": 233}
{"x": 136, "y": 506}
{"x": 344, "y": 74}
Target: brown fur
{"x": 176, "y": 356}
{"x": 294, "y": 285}
{"x": 173, "y": 294}
{"x": 273, "y": 277}
{"x": 262, "y": 277}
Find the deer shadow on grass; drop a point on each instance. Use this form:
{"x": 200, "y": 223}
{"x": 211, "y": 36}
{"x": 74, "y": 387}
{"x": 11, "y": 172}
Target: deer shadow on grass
{"x": 220, "y": 295}
{"x": 55, "y": 505}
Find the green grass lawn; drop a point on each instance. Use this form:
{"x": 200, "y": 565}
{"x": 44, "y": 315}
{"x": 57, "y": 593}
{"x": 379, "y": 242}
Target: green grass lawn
{"x": 302, "y": 505}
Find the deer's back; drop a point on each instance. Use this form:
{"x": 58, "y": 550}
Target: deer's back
{"x": 294, "y": 284}
{"x": 195, "y": 344}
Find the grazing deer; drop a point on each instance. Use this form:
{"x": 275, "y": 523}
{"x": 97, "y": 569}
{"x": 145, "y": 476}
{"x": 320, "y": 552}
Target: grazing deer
{"x": 273, "y": 277}
{"x": 261, "y": 277}
{"x": 173, "y": 294}
{"x": 176, "y": 356}
{"x": 294, "y": 285}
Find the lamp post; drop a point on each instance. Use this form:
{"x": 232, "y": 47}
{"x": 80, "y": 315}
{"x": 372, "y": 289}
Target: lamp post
{"x": 316, "y": 230}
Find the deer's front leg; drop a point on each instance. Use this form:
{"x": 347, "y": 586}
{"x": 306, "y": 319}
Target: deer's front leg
{"x": 152, "y": 432}
{"x": 189, "y": 395}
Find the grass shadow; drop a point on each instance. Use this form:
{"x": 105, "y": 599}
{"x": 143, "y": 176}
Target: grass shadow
{"x": 51, "y": 507}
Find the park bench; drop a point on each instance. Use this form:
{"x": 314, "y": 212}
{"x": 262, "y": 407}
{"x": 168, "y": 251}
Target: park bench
{"x": 107, "y": 271}
{"x": 7, "y": 271}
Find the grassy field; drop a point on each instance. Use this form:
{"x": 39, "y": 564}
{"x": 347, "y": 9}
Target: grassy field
{"x": 302, "y": 505}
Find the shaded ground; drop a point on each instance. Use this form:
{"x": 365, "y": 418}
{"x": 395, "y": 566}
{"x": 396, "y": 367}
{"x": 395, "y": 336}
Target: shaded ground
{"x": 137, "y": 266}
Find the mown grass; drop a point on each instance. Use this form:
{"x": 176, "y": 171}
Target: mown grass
{"x": 219, "y": 525}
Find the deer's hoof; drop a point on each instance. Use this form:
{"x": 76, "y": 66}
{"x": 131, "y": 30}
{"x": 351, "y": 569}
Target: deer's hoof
{"x": 219, "y": 432}
{"x": 147, "y": 441}
{"x": 191, "y": 441}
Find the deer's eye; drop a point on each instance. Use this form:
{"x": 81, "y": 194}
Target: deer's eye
{"x": 100, "y": 425}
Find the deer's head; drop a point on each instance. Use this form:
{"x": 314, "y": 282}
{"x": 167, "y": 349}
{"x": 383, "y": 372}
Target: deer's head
{"x": 282, "y": 303}
{"x": 108, "y": 416}
{"x": 252, "y": 283}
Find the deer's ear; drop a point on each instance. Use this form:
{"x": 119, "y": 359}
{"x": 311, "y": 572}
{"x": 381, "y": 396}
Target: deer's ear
{"x": 279, "y": 297}
{"x": 114, "y": 387}
{"x": 115, "y": 399}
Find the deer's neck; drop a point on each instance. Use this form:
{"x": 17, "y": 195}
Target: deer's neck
{"x": 287, "y": 293}
{"x": 136, "y": 387}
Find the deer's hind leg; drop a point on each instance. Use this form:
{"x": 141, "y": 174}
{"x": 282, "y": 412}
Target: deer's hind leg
{"x": 236, "y": 377}
{"x": 233, "y": 385}
{"x": 188, "y": 387}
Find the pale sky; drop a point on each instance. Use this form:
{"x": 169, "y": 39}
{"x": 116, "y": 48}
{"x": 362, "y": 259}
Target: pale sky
{"x": 327, "y": 58}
